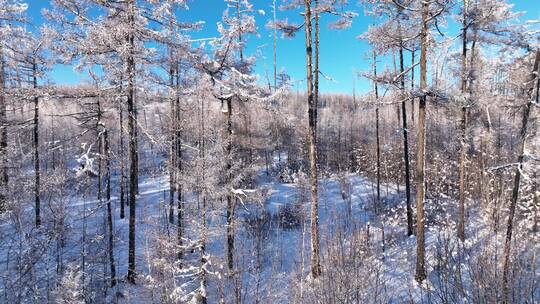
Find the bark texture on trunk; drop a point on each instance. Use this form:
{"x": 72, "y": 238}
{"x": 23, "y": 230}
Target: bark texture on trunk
{"x": 230, "y": 202}
{"x": 312, "y": 141}
{"x": 122, "y": 163}
{"x": 420, "y": 274}
{"x": 405, "y": 131}
{"x": 132, "y": 133}
{"x": 3, "y": 136}
{"x": 106, "y": 153}
{"x": 413, "y": 58}
{"x": 463, "y": 127}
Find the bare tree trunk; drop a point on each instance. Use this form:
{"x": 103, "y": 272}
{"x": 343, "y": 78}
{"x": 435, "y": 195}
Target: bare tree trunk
{"x": 122, "y": 165}
{"x": 536, "y": 202}
{"x": 377, "y": 135}
{"x": 104, "y": 157}
{"x": 405, "y": 138}
{"x": 312, "y": 139}
{"x": 132, "y": 133}
{"x": 106, "y": 152}
{"x": 413, "y": 53}
{"x": 421, "y": 154}
{"x": 275, "y": 46}
{"x": 203, "y": 280}
{"x": 274, "y": 130}
{"x": 406, "y": 154}
{"x": 230, "y": 203}
{"x": 316, "y": 66}
{"x": 413, "y": 58}
{"x": 37, "y": 170}
{"x": 352, "y": 163}
{"x": 398, "y": 108}
{"x": 463, "y": 128}
{"x": 179, "y": 203}
{"x": 535, "y": 79}
{"x": 202, "y": 152}
{"x": 172, "y": 149}
{"x": 3, "y": 136}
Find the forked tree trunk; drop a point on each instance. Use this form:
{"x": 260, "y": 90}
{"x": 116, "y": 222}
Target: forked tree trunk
{"x": 420, "y": 274}
{"x": 535, "y": 80}
{"x": 312, "y": 141}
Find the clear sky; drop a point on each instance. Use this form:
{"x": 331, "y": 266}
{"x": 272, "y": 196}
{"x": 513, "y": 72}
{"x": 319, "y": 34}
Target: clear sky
{"x": 342, "y": 54}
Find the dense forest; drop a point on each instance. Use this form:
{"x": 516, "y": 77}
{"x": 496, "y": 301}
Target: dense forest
{"x": 175, "y": 173}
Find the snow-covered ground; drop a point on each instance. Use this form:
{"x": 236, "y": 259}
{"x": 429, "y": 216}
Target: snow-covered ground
{"x": 272, "y": 242}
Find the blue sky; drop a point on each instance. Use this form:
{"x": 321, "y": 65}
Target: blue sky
{"x": 342, "y": 54}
